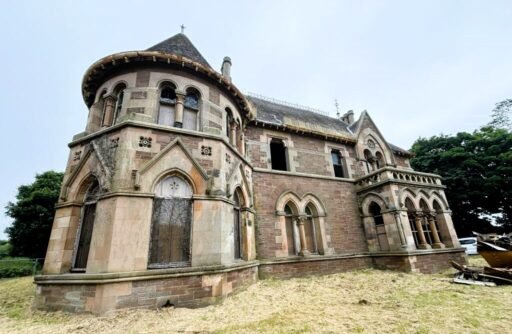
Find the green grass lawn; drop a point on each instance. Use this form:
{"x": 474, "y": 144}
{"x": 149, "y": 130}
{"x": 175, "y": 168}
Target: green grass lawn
{"x": 364, "y": 301}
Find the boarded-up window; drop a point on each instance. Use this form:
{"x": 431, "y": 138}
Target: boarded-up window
{"x": 190, "y": 119}
{"x": 171, "y": 224}
{"x": 191, "y": 108}
{"x": 310, "y": 232}
{"x": 167, "y": 111}
{"x": 290, "y": 231}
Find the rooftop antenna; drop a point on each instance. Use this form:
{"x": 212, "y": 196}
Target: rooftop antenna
{"x": 337, "y": 108}
{"x": 182, "y": 26}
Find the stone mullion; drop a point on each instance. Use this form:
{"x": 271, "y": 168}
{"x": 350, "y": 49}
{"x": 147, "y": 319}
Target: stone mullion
{"x": 108, "y": 111}
{"x": 180, "y": 98}
{"x": 302, "y": 237}
{"x": 435, "y": 235}
{"x": 421, "y": 234}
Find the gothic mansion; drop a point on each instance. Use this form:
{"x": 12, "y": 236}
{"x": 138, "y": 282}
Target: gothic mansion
{"x": 182, "y": 190}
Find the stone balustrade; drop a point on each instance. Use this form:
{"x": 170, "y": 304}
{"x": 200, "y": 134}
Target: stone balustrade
{"x": 398, "y": 175}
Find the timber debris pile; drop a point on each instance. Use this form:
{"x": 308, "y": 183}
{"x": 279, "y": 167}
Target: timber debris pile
{"x": 497, "y": 251}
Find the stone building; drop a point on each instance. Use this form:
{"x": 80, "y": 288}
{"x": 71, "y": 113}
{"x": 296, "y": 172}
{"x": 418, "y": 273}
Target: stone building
{"x": 183, "y": 190}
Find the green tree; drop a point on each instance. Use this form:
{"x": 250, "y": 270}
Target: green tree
{"x": 477, "y": 171}
{"x": 501, "y": 115}
{"x": 5, "y": 248}
{"x": 33, "y": 214}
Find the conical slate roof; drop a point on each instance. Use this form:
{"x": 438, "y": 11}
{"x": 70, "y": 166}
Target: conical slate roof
{"x": 180, "y": 45}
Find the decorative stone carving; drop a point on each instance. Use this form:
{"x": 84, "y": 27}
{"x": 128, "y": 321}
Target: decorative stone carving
{"x": 228, "y": 158}
{"x": 77, "y": 155}
{"x": 145, "y": 141}
{"x": 206, "y": 150}
{"x": 114, "y": 143}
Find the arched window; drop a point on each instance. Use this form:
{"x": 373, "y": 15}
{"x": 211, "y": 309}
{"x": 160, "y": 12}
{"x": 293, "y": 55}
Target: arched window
{"x": 237, "y": 224}
{"x": 310, "y": 231}
{"x": 379, "y": 160}
{"x": 229, "y": 120}
{"x": 167, "y": 108}
{"x": 337, "y": 163}
{"x": 171, "y": 223}
{"x": 191, "y": 109}
{"x": 119, "y": 94}
{"x": 290, "y": 229}
{"x": 101, "y": 106}
{"x": 86, "y": 226}
{"x": 427, "y": 231}
{"x": 368, "y": 157}
{"x": 411, "y": 214}
{"x": 375, "y": 211}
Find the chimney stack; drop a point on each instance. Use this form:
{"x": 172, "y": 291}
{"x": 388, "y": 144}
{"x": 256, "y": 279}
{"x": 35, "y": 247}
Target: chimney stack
{"x": 226, "y": 68}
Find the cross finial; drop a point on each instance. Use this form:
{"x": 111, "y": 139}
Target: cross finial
{"x": 182, "y": 26}
{"x": 337, "y": 107}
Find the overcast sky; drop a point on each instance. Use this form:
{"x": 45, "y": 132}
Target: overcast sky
{"x": 420, "y": 68}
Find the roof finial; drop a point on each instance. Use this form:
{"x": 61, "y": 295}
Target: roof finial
{"x": 337, "y": 108}
{"x": 182, "y": 26}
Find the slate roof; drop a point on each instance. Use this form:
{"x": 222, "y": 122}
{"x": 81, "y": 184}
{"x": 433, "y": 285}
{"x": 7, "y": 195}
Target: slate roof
{"x": 180, "y": 45}
{"x": 400, "y": 150}
{"x": 295, "y": 117}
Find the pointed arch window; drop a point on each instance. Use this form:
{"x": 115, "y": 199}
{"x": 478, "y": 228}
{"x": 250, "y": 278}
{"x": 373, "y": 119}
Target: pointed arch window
{"x": 171, "y": 224}
{"x": 167, "y": 108}
{"x": 375, "y": 211}
{"x": 237, "y": 224}
{"x": 310, "y": 231}
{"x": 291, "y": 231}
{"x": 85, "y": 230}
{"x": 411, "y": 215}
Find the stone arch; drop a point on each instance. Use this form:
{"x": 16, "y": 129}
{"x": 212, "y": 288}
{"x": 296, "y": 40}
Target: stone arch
{"x": 115, "y": 85}
{"x": 368, "y": 133}
{"x": 310, "y": 198}
{"x": 173, "y": 172}
{"x": 84, "y": 186}
{"x": 284, "y": 198}
{"x": 405, "y": 193}
{"x": 368, "y": 199}
{"x": 162, "y": 82}
{"x": 101, "y": 93}
{"x": 423, "y": 196}
{"x": 191, "y": 87}
{"x": 435, "y": 196}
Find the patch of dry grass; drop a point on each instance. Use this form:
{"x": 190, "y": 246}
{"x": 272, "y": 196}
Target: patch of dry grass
{"x": 366, "y": 301}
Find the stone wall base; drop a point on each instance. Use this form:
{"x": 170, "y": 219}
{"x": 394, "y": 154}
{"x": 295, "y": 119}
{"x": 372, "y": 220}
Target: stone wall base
{"x": 196, "y": 287}
{"x": 420, "y": 262}
{"x": 179, "y": 290}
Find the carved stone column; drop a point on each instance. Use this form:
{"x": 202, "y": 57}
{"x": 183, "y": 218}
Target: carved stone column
{"x": 232, "y": 136}
{"x": 180, "y": 99}
{"x": 108, "y": 111}
{"x": 241, "y": 147}
{"x": 435, "y": 235}
{"x": 421, "y": 235}
{"x": 302, "y": 236}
